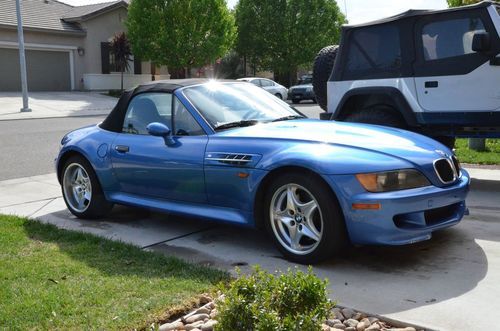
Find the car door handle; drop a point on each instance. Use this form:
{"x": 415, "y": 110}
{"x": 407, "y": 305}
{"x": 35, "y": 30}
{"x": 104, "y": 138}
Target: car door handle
{"x": 121, "y": 149}
{"x": 431, "y": 84}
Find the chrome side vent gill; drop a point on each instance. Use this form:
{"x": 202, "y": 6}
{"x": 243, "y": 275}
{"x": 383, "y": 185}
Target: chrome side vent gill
{"x": 229, "y": 158}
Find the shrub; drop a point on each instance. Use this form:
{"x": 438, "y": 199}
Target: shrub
{"x": 282, "y": 302}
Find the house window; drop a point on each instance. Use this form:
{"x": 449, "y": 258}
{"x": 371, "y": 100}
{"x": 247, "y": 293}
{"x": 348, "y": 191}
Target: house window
{"x": 112, "y": 63}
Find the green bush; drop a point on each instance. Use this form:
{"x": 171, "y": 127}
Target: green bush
{"x": 263, "y": 301}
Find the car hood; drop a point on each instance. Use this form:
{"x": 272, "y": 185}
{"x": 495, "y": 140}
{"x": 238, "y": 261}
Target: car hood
{"x": 301, "y": 86}
{"x": 401, "y": 144}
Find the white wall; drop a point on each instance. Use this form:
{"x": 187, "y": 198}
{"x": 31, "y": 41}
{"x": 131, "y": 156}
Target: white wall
{"x": 112, "y": 81}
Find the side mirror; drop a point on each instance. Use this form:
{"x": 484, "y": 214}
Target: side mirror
{"x": 481, "y": 42}
{"x": 161, "y": 130}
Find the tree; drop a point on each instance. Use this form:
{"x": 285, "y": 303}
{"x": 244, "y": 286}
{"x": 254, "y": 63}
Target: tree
{"x": 229, "y": 67}
{"x": 458, "y": 3}
{"x": 180, "y": 33}
{"x": 283, "y": 35}
{"x": 120, "y": 49}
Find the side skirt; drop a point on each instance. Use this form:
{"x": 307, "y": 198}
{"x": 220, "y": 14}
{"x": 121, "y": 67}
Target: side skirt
{"x": 223, "y": 214}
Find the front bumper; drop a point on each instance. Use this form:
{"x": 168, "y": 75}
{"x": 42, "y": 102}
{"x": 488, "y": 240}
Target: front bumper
{"x": 406, "y": 216}
{"x": 300, "y": 94}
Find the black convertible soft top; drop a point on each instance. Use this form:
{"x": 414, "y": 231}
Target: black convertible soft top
{"x": 115, "y": 118}
{"x": 424, "y": 12}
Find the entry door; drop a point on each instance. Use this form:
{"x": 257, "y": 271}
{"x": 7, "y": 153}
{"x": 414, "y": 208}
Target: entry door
{"x": 145, "y": 165}
{"x": 449, "y": 75}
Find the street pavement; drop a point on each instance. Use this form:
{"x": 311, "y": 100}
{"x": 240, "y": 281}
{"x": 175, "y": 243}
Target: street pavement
{"x": 28, "y": 147}
{"x": 448, "y": 283}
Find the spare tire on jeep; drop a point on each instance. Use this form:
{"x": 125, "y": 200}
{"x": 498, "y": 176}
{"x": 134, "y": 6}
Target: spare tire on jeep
{"x": 322, "y": 69}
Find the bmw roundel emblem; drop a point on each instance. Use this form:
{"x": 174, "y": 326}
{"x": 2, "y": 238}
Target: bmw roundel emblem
{"x": 440, "y": 152}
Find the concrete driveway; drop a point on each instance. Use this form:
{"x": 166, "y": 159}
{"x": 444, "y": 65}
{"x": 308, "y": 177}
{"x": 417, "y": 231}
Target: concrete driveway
{"x": 447, "y": 283}
{"x": 55, "y": 104}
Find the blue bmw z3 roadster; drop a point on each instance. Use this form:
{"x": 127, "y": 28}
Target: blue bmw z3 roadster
{"x": 229, "y": 151}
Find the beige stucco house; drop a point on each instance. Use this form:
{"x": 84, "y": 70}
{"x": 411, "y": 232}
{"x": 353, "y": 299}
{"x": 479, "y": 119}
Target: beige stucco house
{"x": 67, "y": 47}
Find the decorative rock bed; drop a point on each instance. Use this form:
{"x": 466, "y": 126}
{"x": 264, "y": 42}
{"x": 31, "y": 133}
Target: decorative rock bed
{"x": 342, "y": 319}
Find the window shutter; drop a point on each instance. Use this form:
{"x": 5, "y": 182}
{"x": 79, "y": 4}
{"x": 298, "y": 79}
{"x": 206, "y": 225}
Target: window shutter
{"x": 137, "y": 66}
{"x": 105, "y": 58}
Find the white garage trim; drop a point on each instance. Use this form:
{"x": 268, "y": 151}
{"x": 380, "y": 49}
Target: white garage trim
{"x": 47, "y": 47}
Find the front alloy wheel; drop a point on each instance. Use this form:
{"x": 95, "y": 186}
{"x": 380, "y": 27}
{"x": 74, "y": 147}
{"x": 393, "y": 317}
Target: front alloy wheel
{"x": 304, "y": 218}
{"x": 296, "y": 219}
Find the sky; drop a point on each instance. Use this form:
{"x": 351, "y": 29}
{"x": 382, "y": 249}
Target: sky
{"x": 358, "y": 11}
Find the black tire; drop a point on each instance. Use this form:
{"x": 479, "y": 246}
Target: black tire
{"x": 333, "y": 232}
{"x": 279, "y": 96}
{"x": 445, "y": 140}
{"x": 379, "y": 115}
{"x": 322, "y": 69}
{"x": 97, "y": 205}
{"x": 295, "y": 100}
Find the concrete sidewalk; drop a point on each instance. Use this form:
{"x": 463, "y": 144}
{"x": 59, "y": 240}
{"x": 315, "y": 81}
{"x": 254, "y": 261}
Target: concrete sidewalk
{"x": 55, "y": 104}
{"x": 448, "y": 283}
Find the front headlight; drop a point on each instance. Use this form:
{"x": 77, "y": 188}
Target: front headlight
{"x": 309, "y": 89}
{"x": 392, "y": 180}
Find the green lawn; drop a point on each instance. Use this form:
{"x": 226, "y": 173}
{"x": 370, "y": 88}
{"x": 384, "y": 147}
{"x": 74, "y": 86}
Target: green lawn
{"x": 490, "y": 156}
{"x": 58, "y": 279}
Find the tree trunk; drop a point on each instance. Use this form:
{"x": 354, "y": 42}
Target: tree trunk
{"x": 153, "y": 71}
{"x": 121, "y": 85}
{"x": 245, "y": 65}
{"x": 286, "y": 78}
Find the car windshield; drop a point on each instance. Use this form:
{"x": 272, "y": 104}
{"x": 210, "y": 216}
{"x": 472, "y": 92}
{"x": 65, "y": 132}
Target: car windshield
{"x": 227, "y": 105}
{"x": 305, "y": 80}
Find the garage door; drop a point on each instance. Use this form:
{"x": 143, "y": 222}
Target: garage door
{"x": 46, "y": 70}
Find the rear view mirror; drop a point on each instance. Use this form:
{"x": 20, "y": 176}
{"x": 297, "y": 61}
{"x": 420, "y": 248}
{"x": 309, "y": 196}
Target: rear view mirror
{"x": 481, "y": 42}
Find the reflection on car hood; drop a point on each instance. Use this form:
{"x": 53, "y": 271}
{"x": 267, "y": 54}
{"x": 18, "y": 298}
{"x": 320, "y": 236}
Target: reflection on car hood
{"x": 399, "y": 143}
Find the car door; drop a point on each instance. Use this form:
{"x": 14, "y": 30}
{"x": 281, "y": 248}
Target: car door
{"x": 146, "y": 165}
{"x": 449, "y": 74}
{"x": 268, "y": 86}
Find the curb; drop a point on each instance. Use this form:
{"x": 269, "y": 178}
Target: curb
{"x": 393, "y": 322}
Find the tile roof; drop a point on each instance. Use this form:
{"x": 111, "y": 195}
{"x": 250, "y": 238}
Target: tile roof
{"x": 51, "y": 14}
{"x": 81, "y": 12}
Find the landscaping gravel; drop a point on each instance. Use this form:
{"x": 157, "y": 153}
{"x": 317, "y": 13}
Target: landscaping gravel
{"x": 342, "y": 319}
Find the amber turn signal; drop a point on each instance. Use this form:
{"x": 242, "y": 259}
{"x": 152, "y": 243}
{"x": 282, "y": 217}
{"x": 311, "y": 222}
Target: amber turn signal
{"x": 367, "y": 206}
{"x": 369, "y": 181}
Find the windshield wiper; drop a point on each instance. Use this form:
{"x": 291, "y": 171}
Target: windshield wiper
{"x": 289, "y": 117}
{"x": 237, "y": 124}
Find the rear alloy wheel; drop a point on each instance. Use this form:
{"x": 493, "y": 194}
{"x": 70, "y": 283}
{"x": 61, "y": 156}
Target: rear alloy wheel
{"x": 304, "y": 218}
{"x": 81, "y": 190}
{"x": 295, "y": 100}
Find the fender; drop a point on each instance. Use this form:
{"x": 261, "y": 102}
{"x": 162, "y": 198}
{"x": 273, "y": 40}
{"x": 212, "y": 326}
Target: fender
{"x": 390, "y": 93}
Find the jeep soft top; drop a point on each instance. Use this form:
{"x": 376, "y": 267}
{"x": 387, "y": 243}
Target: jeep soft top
{"x": 432, "y": 71}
